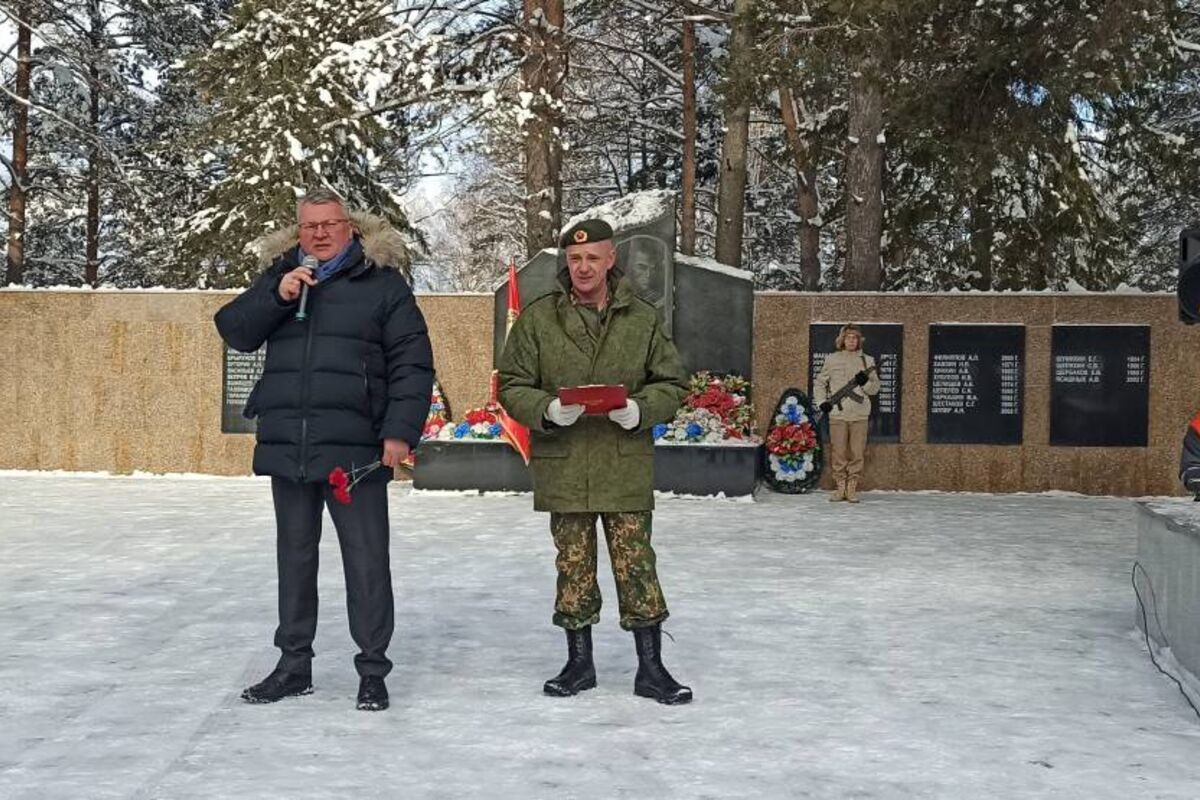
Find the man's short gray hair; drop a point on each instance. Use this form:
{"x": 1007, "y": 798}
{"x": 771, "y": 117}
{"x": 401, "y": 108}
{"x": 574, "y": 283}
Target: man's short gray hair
{"x": 318, "y": 197}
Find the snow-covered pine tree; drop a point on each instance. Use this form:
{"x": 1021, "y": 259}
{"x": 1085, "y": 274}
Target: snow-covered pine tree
{"x": 624, "y": 104}
{"x": 96, "y": 210}
{"x": 798, "y": 201}
{"x": 86, "y": 88}
{"x": 1023, "y": 135}
{"x": 296, "y": 89}
{"x": 164, "y": 191}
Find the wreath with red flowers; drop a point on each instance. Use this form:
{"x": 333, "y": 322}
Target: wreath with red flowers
{"x": 793, "y": 456}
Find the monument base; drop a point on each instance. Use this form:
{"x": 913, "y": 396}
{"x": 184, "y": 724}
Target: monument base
{"x": 705, "y": 470}
{"x": 484, "y": 466}
{"x": 1168, "y": 553}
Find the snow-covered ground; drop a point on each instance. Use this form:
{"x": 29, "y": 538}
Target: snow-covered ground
{"x": 917, "y": 645}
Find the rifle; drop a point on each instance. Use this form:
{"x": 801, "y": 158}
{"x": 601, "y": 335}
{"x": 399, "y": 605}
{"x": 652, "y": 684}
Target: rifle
{"x": 844, "y": 393}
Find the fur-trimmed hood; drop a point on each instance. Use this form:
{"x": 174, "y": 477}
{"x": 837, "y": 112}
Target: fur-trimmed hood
{"x": 382, "y": 244}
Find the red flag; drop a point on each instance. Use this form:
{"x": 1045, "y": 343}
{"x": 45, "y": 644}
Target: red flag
{"x": 514, "y": 297}
{"x": 513, "y": 432}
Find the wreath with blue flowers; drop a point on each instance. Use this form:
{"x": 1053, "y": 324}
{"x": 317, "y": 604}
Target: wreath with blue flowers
{"x": 793, "y": 456}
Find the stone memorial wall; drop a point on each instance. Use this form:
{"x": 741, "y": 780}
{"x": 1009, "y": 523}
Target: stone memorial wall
{"x": 125, "y": 381}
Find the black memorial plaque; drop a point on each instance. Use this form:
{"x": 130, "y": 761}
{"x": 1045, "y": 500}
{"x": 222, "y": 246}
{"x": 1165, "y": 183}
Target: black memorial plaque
{"x": 885, "y": 343}
{"x": 242, "y": 371}
{"x": 1100, "y": 385}
{"x": 976, "y": 384}
{"x": 1189, "y": 245}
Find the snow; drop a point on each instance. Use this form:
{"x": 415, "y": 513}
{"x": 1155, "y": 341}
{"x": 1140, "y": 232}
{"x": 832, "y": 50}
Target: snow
{"x": 630, "y": 211}
{"x": 711, "y": 264}
{"x": 108, "y": 289}
{"x": 722, "y": 443}
{"x": 916, "y": 645}
{"x": 295, "y": 149}
{"x": 103, "y": 288}
{"x": 1183, "y": 514}
{"x": 960, "y": 292}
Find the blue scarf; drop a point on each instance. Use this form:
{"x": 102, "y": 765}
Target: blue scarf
{"x": 346, "y": 258}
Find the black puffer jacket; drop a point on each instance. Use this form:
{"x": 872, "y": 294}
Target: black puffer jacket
{"x": 358, "y": 371}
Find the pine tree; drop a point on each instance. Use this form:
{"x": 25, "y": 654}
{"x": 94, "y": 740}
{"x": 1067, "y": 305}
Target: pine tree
{"x": 1021, "y": 130}
{"x": 296, "y": 90}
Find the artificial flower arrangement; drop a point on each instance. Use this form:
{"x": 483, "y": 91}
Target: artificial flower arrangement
{"x": 439, "y": 414}
{"x": 793, "y": 452}
{"x": 717, "y": 410}
{"x": 480, "y": 423}
{"x": 437, "y": 420}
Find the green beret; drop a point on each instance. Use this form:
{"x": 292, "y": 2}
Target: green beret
{"x": 586, "y": 232}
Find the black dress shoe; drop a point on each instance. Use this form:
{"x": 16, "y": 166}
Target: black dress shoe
{"x": 372, "y": 694}
{"x": 278, "y": 685}
{"x": 579, "y": 673}
{"x": 652, "y": 679}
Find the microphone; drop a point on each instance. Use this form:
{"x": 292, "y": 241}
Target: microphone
{"x": 312, "y": 263}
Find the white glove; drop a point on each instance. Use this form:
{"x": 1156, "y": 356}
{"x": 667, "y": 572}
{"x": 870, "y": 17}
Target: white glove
{"x": 561, "y": 415}
{"x": 627, "y": 417}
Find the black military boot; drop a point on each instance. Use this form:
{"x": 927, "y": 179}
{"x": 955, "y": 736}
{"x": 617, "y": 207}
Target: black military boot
{"x": 652, "y": 679}
{"x": 278, "y": 685}
{"x": 372, "y": 694}
{"x": 579, "y": 674}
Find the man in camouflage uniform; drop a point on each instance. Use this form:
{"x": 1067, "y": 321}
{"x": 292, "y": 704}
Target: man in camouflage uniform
{"x": 594, "y": 330}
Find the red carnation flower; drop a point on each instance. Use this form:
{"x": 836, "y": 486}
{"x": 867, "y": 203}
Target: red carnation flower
{"x": 338, "y": 478}
{"x": 343, "y": 482}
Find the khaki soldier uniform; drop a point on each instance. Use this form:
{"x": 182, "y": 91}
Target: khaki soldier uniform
{"x": 848, "y": 420}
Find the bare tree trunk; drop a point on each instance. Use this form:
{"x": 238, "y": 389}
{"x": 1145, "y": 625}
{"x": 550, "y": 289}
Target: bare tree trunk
{"x": 804, "y": 159}
{"x": 1039, "y": 276}
{"x": 14, "y": 267}
{"x": 864, "y": 179}
{"x": 731, "y": 192}
{"x": 982, "y": 235}
{"x": 543, "y": 72}
{"x": 688, "y": 188}
{"x": 92, "y": 242}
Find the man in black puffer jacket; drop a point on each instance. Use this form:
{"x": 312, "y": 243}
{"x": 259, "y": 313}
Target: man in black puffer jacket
{"x": 344, "y": 387}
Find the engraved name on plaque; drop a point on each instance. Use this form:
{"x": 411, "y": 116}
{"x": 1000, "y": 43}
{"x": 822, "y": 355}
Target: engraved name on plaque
{"x": 976, "y": 384}
{"x": 1100, "y": 385}
{"x": 241, "y": 372}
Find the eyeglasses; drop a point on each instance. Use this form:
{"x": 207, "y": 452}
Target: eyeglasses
{"x": 328, "y": 226}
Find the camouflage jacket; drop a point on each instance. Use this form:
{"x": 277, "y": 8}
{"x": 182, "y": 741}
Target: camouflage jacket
{"x": 593, "y": 465}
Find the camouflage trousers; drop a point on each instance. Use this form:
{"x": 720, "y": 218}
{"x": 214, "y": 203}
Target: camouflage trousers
{"x": 639, "y": 596}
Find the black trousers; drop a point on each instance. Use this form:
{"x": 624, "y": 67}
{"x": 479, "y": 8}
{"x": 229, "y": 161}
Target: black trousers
{"x": 362, "y": 528}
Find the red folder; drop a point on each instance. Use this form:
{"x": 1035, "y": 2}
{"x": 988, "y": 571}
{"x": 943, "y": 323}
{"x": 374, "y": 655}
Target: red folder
{"x": 596, "y": 399}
